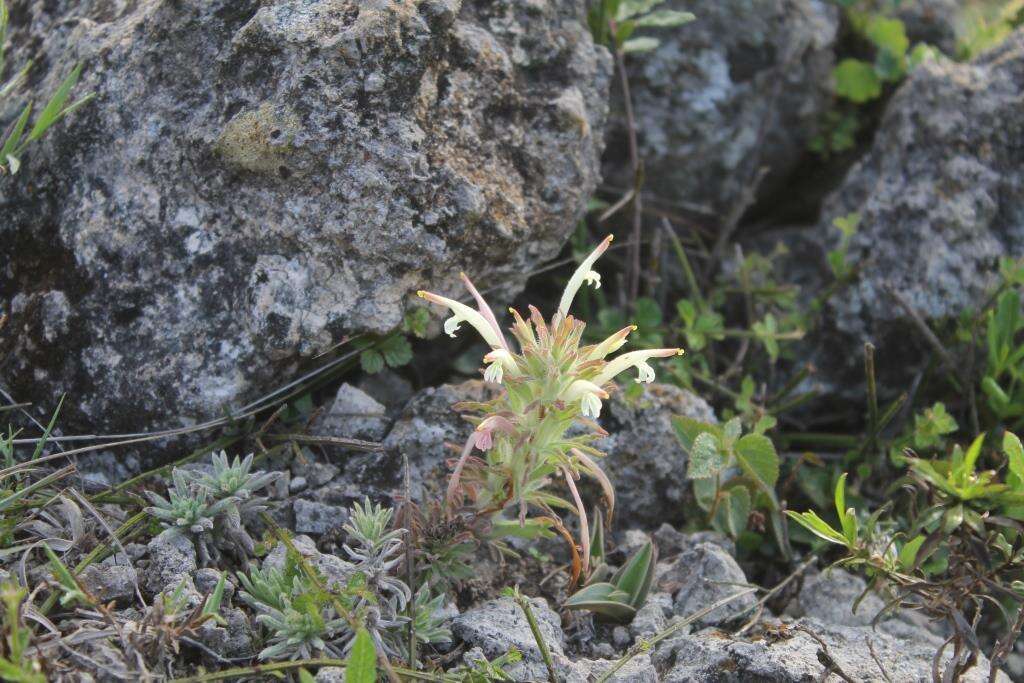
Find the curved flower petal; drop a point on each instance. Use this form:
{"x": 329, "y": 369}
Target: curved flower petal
{"x": 635, "y": 359}
{"x": 463, "y": 313}
{"x": 583, "y": 274}
{"x": 611, "y": 344}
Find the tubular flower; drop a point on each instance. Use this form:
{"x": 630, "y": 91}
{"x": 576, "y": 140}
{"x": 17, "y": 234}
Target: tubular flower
{"x": 498, "y": 361}
{"x": 484, "y": 434}
{"x": 634, "y": 359}
{"x": 583, "y": 274}
{"x": 463, "y": 313}
{"x": 611, "y": 344}
{"x": 589, "y": 395}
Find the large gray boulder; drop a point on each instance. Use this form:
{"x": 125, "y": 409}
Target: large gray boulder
{"x": 941, "y": 198}
{"x": 741, "y": 87}
{"x": 258, "y": 178}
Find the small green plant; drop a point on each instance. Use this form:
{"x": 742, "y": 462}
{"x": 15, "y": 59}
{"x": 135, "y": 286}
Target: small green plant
{"x": 733, "y": 473}
{"x": 985, "y": 27}
{"x": 15, "y": 663}
{"x": 614, "y": 22}
{"x": 208, "y": 507}
{"x": 19, "y": 135}
{"x": 551, "y": 384}
{"x": 378, "y": 551}
{"x": 613, "y": 594}
{"x": 955, "y": 553}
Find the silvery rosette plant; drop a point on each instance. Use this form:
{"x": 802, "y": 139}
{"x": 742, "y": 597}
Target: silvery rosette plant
{"x": 529, "y": 434}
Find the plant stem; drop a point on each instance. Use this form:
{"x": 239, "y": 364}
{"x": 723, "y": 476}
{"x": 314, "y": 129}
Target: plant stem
{"x": 545, "y": 653}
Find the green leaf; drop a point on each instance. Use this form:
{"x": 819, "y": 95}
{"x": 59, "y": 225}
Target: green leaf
{"x": 54, "y": 109}
{"x": 361, "y": 666}
{"x": 306, "y": 677}
{"x": 665, "y": 18}
{"x": 602, "y": 598}
{"x": 371, "y": 361}
{"x": 817, "y": 526}
{"x": 396, "y": 351}
{"x": 635, "y": 577}
{"x": 632, "y": 8}
{"x": 1014, "y": 451}
{"x": 705, "y": 457}
{"x": 647, "y": 313}
{"x": 971, "y": 456}
{"x": 641, "y": 44}
{"x": 735, "y": 510}
{"x": 687, "y": 430}
{"x": 857, "y": 81}
{"x": 756, "y": 455}
{"x": 908, "y": 553}
{"x": 888, "y": 35}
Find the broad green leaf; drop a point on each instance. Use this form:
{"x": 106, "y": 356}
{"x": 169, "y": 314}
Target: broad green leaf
{"x": 888, "y": 34}
{"x": 371, "y": 361}
{"x": 857, "y": 81}
{"x": 602, "y": 598}
{"x": 687, "y": 430}
{"x": 361, "y": 666}
{"x": 665, "y": 18}
{"x": 732, "y": 430}
{"x": 735, "y": 510}
{"x": 756, "y": 455}
{"x": 705, "y": 457}
{"x": 641, "y": 44}
{"x": 634, "y": 578}
{"x": 396, "y": 351}
{"x": 908, "y": 553}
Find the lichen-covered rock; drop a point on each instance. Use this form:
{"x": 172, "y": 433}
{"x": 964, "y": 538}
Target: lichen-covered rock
{"x": 702, "y": 576}
{"x": 256, "y": 179}
{"x": 941, "y": 198}
{"x": 786, "y": 653}
{"x": 109, "y": 581}
{"x": 312, "y": 517}
{"x": 704, "y": 96}
{"x": 499, "y": 625}
{"x": 171, "y": 558}
{"x": 637, "y": 670}
{"x": 354, "y": 415}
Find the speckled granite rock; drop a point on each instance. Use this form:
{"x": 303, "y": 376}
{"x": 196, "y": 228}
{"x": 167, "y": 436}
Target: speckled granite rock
{"x": 255, "y": 179}
{"x": 941, "y": 199}
{"x": 703, "y": 97}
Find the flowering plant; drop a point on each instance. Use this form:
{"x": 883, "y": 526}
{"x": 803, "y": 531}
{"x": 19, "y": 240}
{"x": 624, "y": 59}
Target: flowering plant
{"x": 551, "y": 385}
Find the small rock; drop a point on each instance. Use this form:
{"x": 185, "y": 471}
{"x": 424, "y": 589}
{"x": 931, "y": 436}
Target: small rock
{"x": 652, "y": 617}
{"x": 171, "y": 557}
{"x": 316, "y": 473}
{"x": 297, "y": 485}
{"x": 499, "y": 625}
{"x": 620, "y": 637}
{"x": 108, "y": 582}
{"x": 335, "y": 570}
{"x": 355, "y": 415}
{"x": 330, "y": 674}
{"x": 671, "y": 542}
{"x": 602, "y": 650}
{"x": 638, "y": 670}
{"x": 701, "y": 577}
{"x": 206, "y": 582}
{"x": 312, "y": 517}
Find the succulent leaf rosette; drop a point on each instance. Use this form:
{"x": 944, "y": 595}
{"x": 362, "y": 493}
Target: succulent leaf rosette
{"x": 551, "y": 384}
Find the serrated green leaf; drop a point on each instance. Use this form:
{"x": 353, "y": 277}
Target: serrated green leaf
{"x": 361, "y": 666}
{"x": 396, "y": 351}
{"x": 857, "y": 81}
{"x": 705, "y": 457}
{"x": 371, "y": 361}
{"x": 756, "y": 455}
{"x": 735, "y": 510}
{"x": 687, "y": 430}
{"x": 888, "y": 34}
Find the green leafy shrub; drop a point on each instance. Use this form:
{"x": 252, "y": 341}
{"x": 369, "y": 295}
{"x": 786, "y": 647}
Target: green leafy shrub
{"x": 956, "y": 550}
